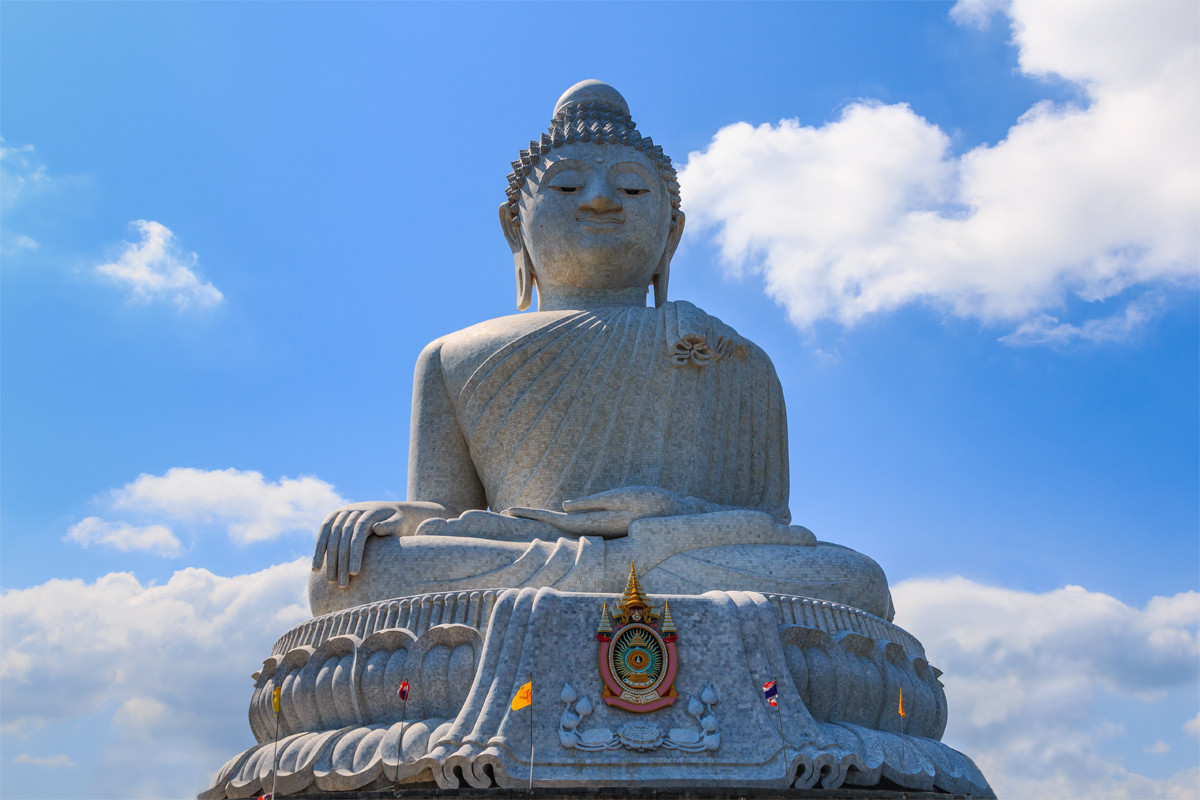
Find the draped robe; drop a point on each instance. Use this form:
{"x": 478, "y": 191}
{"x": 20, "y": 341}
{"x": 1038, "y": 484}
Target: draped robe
{"x": 668, "y": 397}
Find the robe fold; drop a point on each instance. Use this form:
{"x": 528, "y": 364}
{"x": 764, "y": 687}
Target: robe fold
{"x": 668, "y": 397}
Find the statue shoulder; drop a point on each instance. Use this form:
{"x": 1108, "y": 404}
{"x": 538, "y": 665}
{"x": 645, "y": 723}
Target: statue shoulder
{"x": 457, "y": 355}
{"x": 692, "y": 326}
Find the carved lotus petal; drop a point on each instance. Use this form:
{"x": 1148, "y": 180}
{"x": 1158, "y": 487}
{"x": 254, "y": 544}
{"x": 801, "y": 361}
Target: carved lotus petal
{"x": 684, "y": 736}
{"x": 640, "y": 735}
{"x": 709, "y": 695}
{"x": 695, "y": 707}
{"x": 584, "y": 706}
{"x": 568, "y": 694}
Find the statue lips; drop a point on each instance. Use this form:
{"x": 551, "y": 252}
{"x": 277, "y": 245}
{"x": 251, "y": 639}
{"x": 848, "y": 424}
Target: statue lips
{"x": 601, "y": 222}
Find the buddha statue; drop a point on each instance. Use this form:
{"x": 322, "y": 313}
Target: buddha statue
{"x": 555, "y": 447}
{"x": 596, "y": 453}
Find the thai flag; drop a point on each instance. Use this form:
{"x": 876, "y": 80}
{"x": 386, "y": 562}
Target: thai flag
{"x": 771, "y": 693}
{"x": 403, "y": 693}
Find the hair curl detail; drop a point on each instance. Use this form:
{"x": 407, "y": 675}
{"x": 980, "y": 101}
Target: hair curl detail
{"x": 591, "y": 121}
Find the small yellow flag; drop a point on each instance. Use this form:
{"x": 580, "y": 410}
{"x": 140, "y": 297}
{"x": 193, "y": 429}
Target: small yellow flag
{"x": 902, "y": 702}
{"x": 523, "y": 697}
{"x": 275, "y": 700}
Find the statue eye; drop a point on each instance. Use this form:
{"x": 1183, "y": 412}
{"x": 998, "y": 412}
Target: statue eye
{"x": 634, "y": 192}
{"x": 565, "y": 189}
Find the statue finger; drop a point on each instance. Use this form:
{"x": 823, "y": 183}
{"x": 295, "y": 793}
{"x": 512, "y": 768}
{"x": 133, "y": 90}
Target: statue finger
{"x": 600, "y": 523}
{"x": 554, "y": 518}
{"x": 322, "y": 541}
{"x": 392, "y": 526}
{"x": 333, "y": 546}
{"x": 583, "y": 523}
{"x": 343, "y": 571}
{"x": 358, "y": 540}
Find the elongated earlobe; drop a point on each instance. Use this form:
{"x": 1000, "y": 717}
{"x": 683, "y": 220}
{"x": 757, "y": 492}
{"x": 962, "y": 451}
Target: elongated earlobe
{"x": 521, "y": 261}
{"x": 524, "y": 279}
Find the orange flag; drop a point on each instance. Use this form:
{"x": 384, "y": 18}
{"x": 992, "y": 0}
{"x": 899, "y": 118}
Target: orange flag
{"x": 523, "y": 697}
{"x": 902, "y": 702}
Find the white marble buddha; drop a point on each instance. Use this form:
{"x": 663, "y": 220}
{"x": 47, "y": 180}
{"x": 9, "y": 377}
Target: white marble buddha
{"x": 552, "y": 448}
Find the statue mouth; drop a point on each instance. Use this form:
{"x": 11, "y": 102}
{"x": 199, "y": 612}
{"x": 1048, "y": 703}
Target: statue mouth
{"x": 601, "y": 222}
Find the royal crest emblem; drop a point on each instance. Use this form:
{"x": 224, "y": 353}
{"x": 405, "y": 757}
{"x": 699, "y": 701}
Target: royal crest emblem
{"x": 637, "y": 654}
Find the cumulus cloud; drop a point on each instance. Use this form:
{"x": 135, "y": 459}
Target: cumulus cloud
{"x": 152, "y": 538}
{"x": 141, "y": 713}
{"x": 252, "y": 508}
{"x": 44, "y": 761}
{"x": 874, "y": 211}
{"x": 157, "y": 268}
{"x": 159, "y": 676}
{"x": 1026, "y": 674}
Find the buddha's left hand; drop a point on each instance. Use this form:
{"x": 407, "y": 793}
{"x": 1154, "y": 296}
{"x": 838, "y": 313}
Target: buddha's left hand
{"x": 610, "y": 513}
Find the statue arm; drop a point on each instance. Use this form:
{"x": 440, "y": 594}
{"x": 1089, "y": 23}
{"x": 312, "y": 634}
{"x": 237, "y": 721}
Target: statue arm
{"x": 442, "y": 481}
{"x": 440, "y": 468}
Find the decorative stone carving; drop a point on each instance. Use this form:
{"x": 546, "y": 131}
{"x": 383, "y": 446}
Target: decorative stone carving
{"x": 635, "y": 735}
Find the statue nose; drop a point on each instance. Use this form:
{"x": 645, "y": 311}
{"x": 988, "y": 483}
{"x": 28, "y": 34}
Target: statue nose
{"x": 600, "y": 199}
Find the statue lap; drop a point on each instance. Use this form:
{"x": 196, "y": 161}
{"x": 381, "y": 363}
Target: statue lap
{"x": 738, "y": 550}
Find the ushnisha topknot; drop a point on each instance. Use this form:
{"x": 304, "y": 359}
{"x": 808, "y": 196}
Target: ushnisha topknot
{"x": 591, "y": 111}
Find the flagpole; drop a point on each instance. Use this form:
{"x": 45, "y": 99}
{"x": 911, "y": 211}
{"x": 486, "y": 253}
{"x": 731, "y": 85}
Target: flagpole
{"x": 402, "y": 693}
{"x": 275, "y": 758}
{"x": 903, "y": 768}
{"x": 531, "y": 705}
{"x": 400, "y": 747}
{"x": 783, "y": 742}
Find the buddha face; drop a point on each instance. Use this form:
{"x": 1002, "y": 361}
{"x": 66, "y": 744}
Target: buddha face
{"x": 595, "y": 216}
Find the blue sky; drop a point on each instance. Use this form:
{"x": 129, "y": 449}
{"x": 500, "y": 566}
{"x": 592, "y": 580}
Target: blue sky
{"x": 966, "y": 234}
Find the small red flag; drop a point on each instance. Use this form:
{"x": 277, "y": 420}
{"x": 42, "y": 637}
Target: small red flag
{"x": 403, "y": 693}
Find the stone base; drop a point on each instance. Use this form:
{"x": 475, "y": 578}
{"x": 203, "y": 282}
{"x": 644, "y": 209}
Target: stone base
{"x": 839, "y": 674}
{"x": 732, "y": 793}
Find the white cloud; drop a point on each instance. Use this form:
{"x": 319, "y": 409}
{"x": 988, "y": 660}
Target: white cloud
{"x": 23, "y": 242}
{"x": 1192, "y": 726}
{"x": 129, "y": 664}
{"x": 156, "y": 268}
{"x": 977, "y": 13}
{"x": 1158, "y": 747}
{"x": 253, "y": 509}
{"x": 47, "y": 761}
{"x": 1027, "y": 674}
{"x": 20, "y": 173}
{"x": 873, "y": 211}
{"x": 152, "y": 538}
{"x": 1045, "y": 329}
{"x": 141, "y": 713}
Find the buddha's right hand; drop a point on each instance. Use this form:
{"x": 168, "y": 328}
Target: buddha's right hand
{"x": 344, "y": 533}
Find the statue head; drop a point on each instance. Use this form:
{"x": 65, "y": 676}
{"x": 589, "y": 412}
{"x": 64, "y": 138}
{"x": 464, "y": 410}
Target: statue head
{"x": 592, "y": 204}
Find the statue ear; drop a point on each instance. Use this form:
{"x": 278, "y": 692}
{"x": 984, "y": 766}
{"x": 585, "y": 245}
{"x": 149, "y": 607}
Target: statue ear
{"x": 663, "y": 274}
{"x": 524, "y": 267}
